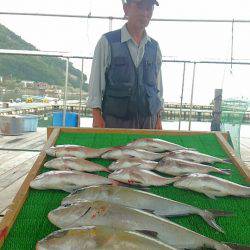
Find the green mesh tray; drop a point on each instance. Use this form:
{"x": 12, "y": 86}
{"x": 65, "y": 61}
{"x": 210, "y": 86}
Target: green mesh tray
{"x": 32, "y": 224}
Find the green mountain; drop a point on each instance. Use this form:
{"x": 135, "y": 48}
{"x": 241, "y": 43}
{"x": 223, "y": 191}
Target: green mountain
{"x": 33, "y": 68}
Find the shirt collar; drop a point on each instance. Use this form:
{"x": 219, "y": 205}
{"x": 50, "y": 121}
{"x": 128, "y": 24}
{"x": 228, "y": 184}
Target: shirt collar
{"x": 125, "y": 36}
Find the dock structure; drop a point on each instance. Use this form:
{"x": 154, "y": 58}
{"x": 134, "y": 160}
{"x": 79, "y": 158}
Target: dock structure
{"x": 171, "y": 110}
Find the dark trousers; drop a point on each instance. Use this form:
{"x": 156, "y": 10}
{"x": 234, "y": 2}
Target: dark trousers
{"x": 139, "y": 122}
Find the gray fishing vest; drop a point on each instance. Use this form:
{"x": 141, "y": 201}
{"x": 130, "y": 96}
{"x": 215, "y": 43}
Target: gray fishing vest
{"x": 130, "y": 91}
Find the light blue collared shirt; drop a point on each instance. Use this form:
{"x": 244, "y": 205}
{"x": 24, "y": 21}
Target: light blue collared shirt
{"x": 101, "y": 62}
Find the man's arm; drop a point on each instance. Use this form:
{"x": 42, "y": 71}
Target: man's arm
{"x": 97, "y": 81}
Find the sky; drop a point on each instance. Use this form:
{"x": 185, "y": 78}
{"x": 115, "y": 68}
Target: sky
{"x": 178, "y": 40}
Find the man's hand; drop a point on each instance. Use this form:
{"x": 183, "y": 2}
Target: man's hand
{"x": 158, "y": 122}
{"x": 98, "y": 121}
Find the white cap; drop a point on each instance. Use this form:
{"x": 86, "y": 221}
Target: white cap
{"x": 129, "y": 1}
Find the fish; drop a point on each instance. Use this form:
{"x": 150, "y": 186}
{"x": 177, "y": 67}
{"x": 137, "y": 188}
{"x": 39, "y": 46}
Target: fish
{"x": 154, "y": 145}
{"x": 126, "y": 218}
{"x": 178, "y": 167}
{"x": 99, "y": 237}
{"x": 75, "y": 151}
{"x": 212, "y": 186}
{"x": 125, "y": 152}
{"x": 78, "y": 164}
{"x": 132, "y": 162}
{"x": 140, "y": 177}
{"x": 67, "y": 180}
{"x": 148, "y": 202}
{"x": 194, "y": 156}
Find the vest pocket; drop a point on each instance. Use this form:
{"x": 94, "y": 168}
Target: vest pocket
{"x": 149, "y": 72}
{"x": 153, "y": 99}
{"x": 120, "y": 70}
{"x": 116, "y": 103}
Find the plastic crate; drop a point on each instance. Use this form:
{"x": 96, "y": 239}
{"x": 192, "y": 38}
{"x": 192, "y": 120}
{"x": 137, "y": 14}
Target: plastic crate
{"x": 71, "y": 119}
{"x": 30, "y": 123}
{"x": 11, "y": 124}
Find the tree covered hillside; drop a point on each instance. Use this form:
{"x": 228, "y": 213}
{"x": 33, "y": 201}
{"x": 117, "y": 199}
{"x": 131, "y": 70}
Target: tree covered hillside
{"x": 33, "y": 68}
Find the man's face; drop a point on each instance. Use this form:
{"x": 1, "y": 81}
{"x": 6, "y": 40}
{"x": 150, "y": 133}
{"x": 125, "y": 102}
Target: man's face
{"x": 139, "y": 13}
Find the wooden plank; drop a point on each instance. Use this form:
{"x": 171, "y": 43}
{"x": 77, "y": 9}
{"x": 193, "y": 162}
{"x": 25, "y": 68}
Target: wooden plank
{"x": 131, "y": 131}
{"x": 7, "y": 195}
{"x": 15, "y": 160}
{"x": 16, "y": 173}
{"x": 22, "y": 194}
{"x": 15, "y": 140}
{"x": 26, "y": 143}
{"x": 244, "y": 170}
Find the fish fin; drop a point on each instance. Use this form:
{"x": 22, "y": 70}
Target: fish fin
{"x": 209, "y": 195}
{"x": 220, "y": 213}
{"x": 209, "y": 217}
{"x": 68, "y": 190}
{"x": 133, "y": 186}
{"x": 139, "y": 178}
{"x": 226, "y": 171}
{"x": 148, "y": 210}
{"x": 152, "y": 234}
{"x": 237, "y": 247}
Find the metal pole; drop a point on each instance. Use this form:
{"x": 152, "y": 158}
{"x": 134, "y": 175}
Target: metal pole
{"x": 123, "y": 18}
{"x": 110, "y": 23}
{"x": 192, "y": 96}
{"x": 81, "y": 85}
{"x": 65, "y": 92}
{"x": 182, "y": 90}
{"x": 232, "y": 45}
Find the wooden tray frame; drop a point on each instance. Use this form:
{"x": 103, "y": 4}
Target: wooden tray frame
{"x": 52, "y": 135}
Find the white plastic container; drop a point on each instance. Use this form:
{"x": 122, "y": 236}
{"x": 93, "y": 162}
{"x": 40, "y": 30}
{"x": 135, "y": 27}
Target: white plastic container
{"x": 30, "y": 123}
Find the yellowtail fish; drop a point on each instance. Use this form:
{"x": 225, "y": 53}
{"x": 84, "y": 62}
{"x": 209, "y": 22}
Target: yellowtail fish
{"x": 195, "y": 156}
{"x": 133, "y": 162}
{"x": 143, "y": 200}
{"x": 67, "y": 180}
{"x": 140, "y": 177}
{"x": 99, "y": 238}
{"x": 124, "y": 152}
{"x": 212, "y": 186}
{"x": 101, "y": 213}
{"x": 154, "y": 145}
{"x": 78, "y": 164}
{"x": 177, "y": 167}
{"x": 75, "y": 151}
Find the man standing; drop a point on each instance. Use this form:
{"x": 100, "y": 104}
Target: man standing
{"x": 125, "y": 88}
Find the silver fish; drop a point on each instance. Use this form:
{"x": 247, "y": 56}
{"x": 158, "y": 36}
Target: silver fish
{"x": 195, "y": 156}
{"x": 154, "y": 145}
{"x": 126, "y": 218}
{"x": 67, "y": 180}
{"x": 212, "y": 186}
{"x": 124, "y": 152}
{"x": 177, "y": 167}
{"x": 99, "y": 238}
{"x": 141, "y": 177}
{"x": 75, "y": 151}
{"x": 133, "y": 162}
{"x": 142, "y": 200}
{"x": 78, "y": 164}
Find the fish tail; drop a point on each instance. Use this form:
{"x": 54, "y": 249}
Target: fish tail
{"x": 210, "y": 215}
{"x": 237, "y": 247}
{"x": 172, "y": 180}
{"x": 226, "y": 160}
{"x": 225, "y": 171}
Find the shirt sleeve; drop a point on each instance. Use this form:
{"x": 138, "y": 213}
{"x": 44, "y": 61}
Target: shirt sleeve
{"x": 159, "y": 77}
{"x": 97, "y": 83}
